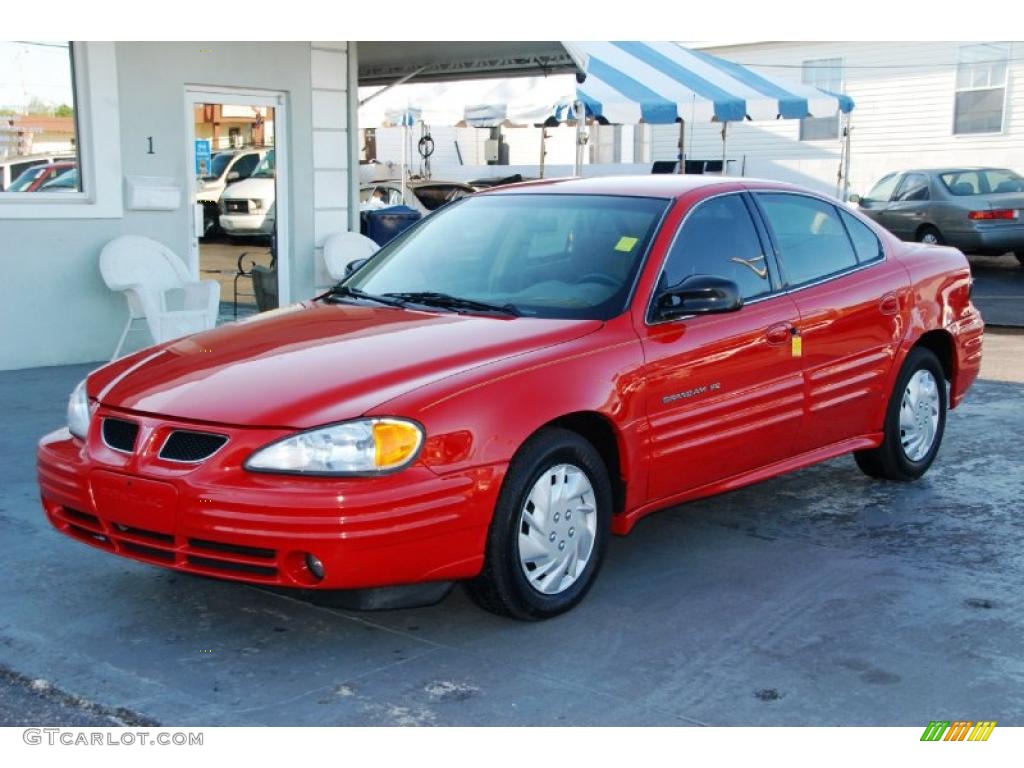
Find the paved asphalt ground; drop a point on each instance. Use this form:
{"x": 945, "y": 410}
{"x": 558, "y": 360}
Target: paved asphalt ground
{"x": 819, "y": 598}
{"x": 999, "y": 290}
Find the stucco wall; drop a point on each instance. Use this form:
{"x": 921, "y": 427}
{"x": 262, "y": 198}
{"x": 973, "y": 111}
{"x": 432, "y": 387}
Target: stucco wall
{"x": 54, "y": 307}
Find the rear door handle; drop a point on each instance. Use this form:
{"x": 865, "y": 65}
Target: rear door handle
{"x": 889, "y": 304}
{"x": 780, "y": 333}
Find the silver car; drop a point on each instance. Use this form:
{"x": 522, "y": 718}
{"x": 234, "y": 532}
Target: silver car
{"x": 977, "y": 210}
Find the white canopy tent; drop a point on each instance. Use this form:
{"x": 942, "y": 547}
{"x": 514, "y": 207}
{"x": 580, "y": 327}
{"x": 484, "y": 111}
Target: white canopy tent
{"x": 620, "y": 82}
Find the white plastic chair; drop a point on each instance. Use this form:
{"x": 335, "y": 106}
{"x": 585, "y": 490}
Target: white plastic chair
{"x": 342, "y": 248}
{"x": 158, "y": 289}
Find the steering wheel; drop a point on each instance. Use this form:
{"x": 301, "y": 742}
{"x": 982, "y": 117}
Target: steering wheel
{"x": 598, "y": 277}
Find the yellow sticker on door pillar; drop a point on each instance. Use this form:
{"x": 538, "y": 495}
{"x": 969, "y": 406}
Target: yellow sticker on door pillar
{"x": 798, "y": 346}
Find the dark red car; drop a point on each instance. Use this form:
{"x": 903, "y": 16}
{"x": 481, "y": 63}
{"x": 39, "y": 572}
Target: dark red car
{"x": 522, "y": 374}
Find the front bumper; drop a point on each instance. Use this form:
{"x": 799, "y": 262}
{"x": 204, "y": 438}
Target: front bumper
{"x": 247, "y": 223}
{"x": 216, "y": 519}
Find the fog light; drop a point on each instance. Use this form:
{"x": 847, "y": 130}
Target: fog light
{"x": 315, "y": 566}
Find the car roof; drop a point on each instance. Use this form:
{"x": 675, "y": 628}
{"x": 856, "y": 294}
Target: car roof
{"x": 651, "y": 185}
{"x": 413, "y": 183}
{"x": 954, "y": 169}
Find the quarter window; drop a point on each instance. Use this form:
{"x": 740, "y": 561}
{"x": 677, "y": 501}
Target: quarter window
{"x": 980, "y": 88}
{"x": 719, "y": 239}
{"x": 865, "y": 243}
{"x": 914, "y": 187}
{"x": 810, "y": 237}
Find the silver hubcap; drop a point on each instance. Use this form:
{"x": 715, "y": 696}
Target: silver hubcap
{"x": 929, "y": 237}
{"x": 557, "y": 529}
{"x": 919, "y": 415}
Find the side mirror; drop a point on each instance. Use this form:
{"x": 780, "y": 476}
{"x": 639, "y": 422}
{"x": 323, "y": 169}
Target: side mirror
{"x": 698, "y": 295}
{"x": 855, "y": 199}
{"x": 352, "y": 266}
{"x": 234, "y": 176}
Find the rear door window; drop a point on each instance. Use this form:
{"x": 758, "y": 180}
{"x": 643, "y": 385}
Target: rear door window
{"x": 914, "y": 187}
{"x": 811, "y": 239}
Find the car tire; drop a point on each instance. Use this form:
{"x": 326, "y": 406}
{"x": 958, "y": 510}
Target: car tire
{"x": 930, "y": 235}
{"x": 519, "y": 583}
{"x": 915, "y": 420}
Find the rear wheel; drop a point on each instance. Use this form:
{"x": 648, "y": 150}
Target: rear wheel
{"x": 550, "y": 529}
{"x": 930, "y": 235}
{"x": 914, "y": 422}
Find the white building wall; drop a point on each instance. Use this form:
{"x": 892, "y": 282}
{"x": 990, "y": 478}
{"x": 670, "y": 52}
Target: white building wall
{"x": 904, "y": 95}
{"x": 329, "y": 82}
{"x": 54, "y": 306}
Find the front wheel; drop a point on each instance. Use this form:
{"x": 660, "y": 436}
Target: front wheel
{"x": 550, "y": 529}
{"x": 914, "y": 422}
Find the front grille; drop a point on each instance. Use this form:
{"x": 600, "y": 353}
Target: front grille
{"x": 164, "y": 548}
{"x": 236, "y": 549}
{"x": 191, "y": 447}
{"x": 236, "y": 206}
{"x": 224, "y": 565}
{"x": 119, "y": 434}
{"x": 163, "y": 538}
{"x": 144, "y": 551}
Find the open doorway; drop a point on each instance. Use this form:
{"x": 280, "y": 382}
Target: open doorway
{"x": 237, "y": 192}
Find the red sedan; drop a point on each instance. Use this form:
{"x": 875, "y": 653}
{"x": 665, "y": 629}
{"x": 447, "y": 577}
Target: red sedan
{"x": 519, "y": 376}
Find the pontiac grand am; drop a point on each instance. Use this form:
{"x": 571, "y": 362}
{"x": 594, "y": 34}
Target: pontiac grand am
{"x": 522, "y": 374}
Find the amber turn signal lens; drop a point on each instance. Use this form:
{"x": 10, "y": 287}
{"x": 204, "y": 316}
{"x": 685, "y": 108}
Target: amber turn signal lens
{"x": 396, "y": 442}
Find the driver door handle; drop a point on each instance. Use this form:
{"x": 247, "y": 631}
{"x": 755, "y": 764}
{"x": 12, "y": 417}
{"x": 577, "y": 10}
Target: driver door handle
{"x": 780, "y": 333}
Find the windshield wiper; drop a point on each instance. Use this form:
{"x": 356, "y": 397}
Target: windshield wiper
{"x": 447, "y": 301}
{"x": 355, "y": 293}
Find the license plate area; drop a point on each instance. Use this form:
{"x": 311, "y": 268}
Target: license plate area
{"x": 149, "y": 505}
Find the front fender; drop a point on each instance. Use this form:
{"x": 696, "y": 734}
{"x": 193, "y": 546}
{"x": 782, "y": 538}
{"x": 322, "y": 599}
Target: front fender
{"x": 482, "y": 417}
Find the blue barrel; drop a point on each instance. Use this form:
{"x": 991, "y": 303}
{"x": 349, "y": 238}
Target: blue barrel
{"x": 384, "y": 224}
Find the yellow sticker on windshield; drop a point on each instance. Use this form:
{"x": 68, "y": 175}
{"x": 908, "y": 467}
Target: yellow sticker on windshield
{"x": 626, "y": 244}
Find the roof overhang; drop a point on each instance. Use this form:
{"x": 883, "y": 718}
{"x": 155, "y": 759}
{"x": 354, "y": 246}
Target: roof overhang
{"x": 383, "y": 63}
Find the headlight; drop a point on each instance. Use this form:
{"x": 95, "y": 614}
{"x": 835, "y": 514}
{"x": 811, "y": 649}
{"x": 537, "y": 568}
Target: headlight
{"x": 78, "y": 411}
{"x": 256, "y": 205}
{"x": 361, "y": 447}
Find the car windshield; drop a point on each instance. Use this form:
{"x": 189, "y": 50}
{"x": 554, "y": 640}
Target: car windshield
{"x": 987, "y": 181}
{"x": 265, "y": 170}
{"x": 568, "y": 256}
{"x": 220, "y": 162}
{"x": 64, "y": 182}
{"x": 27, "y": 177}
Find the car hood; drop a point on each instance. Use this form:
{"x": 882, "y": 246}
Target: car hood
{"x": 249, "y": 189}
{"x": 315, "y": 363}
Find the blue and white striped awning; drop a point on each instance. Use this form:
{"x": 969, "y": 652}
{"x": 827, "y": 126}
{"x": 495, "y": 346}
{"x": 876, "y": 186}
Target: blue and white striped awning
{"x": 630, "y": 82}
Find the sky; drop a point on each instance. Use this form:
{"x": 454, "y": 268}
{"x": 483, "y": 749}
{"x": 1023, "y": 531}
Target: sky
{"x": 41, "y": 69}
